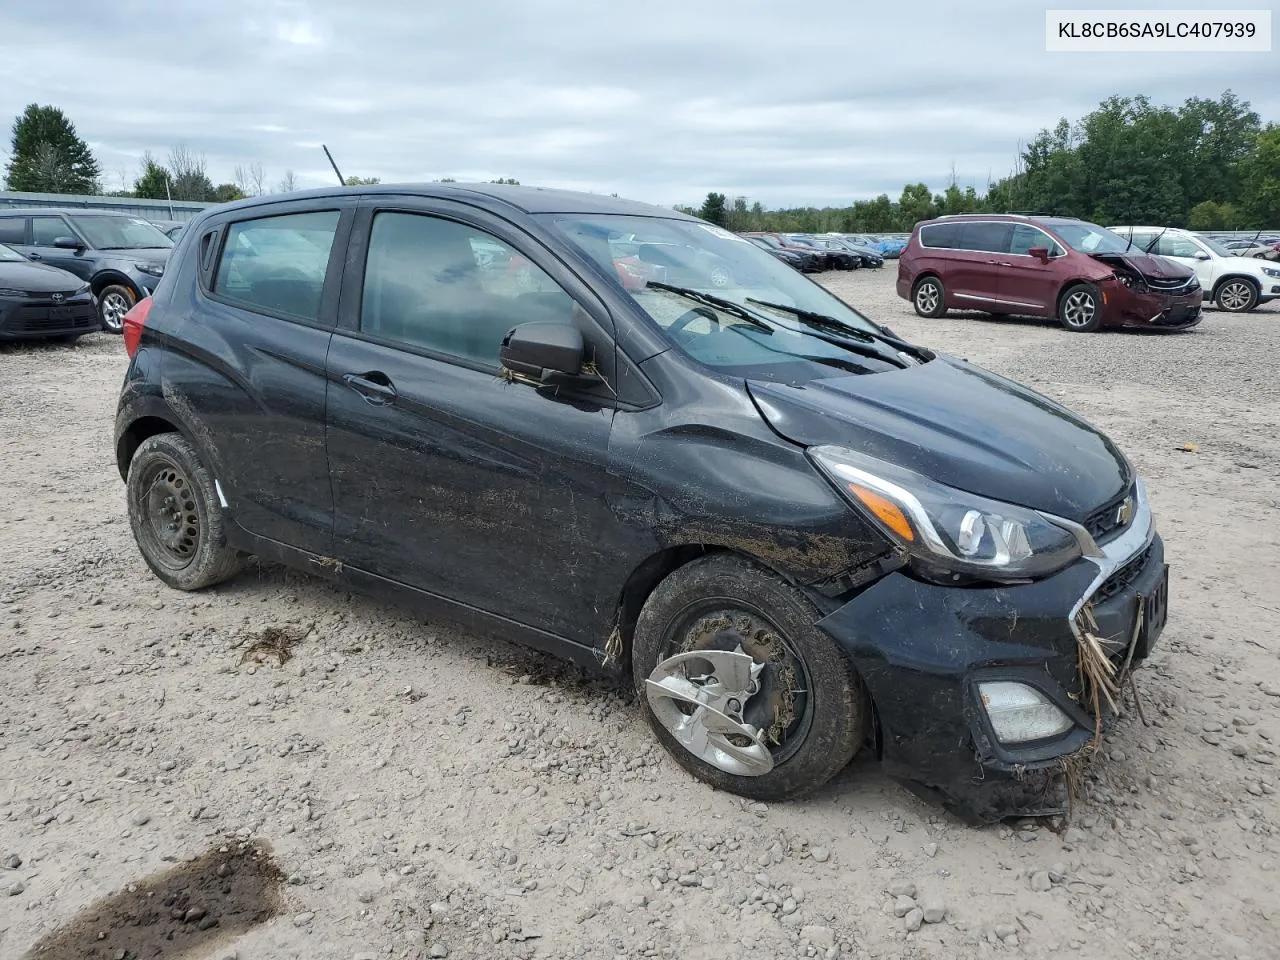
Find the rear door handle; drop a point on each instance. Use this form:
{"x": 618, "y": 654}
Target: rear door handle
{"x": 374, "y": 386}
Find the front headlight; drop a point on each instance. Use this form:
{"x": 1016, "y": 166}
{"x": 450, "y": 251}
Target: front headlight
{"x": 152, "y": 269}
{"x": 947, "y": 529}
{"x": 1271, "y": 273}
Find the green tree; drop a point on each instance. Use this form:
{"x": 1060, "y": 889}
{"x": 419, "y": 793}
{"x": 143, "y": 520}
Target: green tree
{"x": 916, "y": 204}
{"x": 48, "y": 155}
{"x": 354, "y": 181}
{"x": 226, "y": 192}
{"x": 511, "y": 180}
{"x": 713, "y": 209}
{"x": 1208, "y": 215}
{"x": 1261, "y": 179}
{"x": 152, "y": 182}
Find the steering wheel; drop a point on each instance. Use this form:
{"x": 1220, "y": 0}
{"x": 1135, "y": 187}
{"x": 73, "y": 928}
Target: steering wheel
{"x": 686, "y": 318}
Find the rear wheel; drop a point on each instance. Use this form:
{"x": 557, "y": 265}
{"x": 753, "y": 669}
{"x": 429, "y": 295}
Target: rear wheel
{"x": 928, "y": 297}
{"x": 113, "y": 303}
{"x": 1080, "y": 308}
{"x": 175, "y": 515}
{"x": 740, "y": 686}
{"x": 1236, "y": 295}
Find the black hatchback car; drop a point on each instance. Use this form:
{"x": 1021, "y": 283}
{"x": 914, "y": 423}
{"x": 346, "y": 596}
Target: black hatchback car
{"x": 800, "y": 535}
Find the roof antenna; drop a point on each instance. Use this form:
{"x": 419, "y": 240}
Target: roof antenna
{"x": 341, "y": 182}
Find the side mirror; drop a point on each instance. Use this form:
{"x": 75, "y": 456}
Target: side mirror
{"x": 1201, "y": 255}
{"x": 67, "y": 243}
{"x": 543, "y": 349}
{"x": 1040, "y": 253}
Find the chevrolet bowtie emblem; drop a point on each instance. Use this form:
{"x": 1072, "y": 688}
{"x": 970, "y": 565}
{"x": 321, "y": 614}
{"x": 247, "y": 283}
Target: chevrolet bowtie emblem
{"x": 1124, "y": 513}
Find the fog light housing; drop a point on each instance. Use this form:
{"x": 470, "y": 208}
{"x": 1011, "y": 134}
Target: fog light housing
{"x": 1020, "y": 713}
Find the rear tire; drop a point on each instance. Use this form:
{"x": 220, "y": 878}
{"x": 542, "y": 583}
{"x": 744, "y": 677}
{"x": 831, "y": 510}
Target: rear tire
{"x": 176, "y": 517}
{"x": 1080, "y": 308}
{"x": 929, "y": 298}
{"x": 808, "y": 698}
{"x": 113, "y": 303}
{"x": 1236, "y": 295}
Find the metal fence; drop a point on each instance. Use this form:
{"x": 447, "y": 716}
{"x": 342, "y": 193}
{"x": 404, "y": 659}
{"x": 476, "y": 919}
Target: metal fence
{"x": 180, "y": 210}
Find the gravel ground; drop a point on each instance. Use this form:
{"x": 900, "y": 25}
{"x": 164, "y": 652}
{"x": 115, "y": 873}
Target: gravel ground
{"x": 430, "y": 793}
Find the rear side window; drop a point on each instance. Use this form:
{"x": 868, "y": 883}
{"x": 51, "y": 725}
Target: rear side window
{"x": 941, "y": 236}
{"x": 1172, "y": 245}
{"x": 986, "y": 237}
{"x": 13, "y": 230}
{"x": 278, "y": 264}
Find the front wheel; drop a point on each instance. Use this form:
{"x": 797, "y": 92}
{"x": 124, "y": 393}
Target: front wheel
{"x": 1236, "y": 296}
{"x": 928, "y": 298}
{"x": 113, "y": 303}
{"x": 1080, "y": 309}
{"x": 740, "y": 686}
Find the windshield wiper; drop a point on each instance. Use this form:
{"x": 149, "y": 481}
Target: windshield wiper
{"x": 710, "y": 300}
{"x": 822, "y": 321}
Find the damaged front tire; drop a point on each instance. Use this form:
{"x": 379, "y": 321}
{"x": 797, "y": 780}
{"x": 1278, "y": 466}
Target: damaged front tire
{"x": 740, "y": 686}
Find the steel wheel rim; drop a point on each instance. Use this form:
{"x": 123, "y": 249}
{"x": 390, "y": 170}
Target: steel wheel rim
{"x": 171, "y": 521}
{"x": 1235, "y": 295}
{"x": 1079, "y": 309}
{"x": 114, "y": 307}
{"x": 927, "y": 298}
{"x": 730, "y": 688}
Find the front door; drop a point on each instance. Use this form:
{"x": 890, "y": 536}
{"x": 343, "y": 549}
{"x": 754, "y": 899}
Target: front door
{"x": 1027, "y": 283}
{"x": 44, "y": 231}
{"x": 447, "y": 477}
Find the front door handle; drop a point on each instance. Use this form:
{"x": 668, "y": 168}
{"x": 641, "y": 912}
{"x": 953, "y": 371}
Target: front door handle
{"x": 34, "y": 256}
{"x": 375, "y": 386}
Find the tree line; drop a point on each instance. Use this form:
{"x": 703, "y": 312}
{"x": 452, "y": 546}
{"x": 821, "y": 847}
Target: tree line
{"x": 1206, "y": 165}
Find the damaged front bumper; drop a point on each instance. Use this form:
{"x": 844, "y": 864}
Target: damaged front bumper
{"x": 923, "y": 650}
{"x": 1143, "y": 306}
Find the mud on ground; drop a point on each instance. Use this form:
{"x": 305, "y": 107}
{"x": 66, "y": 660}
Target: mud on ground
{"x": 430, "y": 793}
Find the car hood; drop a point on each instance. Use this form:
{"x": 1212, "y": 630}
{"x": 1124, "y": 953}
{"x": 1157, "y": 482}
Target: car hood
{"x": 38, "y": 278}
{"x": 1252, "y": 265}
{"x": 1147, "y": 264}
{"x": 141, "y": 254}
{"x": 960, "y": 425}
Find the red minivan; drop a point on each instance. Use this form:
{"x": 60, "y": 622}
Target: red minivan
{"x": 1078, "y": 273}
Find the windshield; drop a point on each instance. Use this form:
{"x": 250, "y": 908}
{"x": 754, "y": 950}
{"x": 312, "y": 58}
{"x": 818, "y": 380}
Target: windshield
{"x": 9, "y": 256}
{"x": 121, "y": 233}
{"x": 1216, "y": 247}
{"x": 677, "y": 270}
{"x": 1091, "y": 238}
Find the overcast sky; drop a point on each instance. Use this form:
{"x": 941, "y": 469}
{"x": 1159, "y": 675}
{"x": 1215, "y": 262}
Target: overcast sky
{"x": 662, "y": 100}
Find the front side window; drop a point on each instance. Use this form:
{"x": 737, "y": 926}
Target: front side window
{"x": 13, "y": 230}
{"x": 725, "y": 302}
{"x": 45, "y": 230}
{"x": 120, "y": 233}
{"x": 1027, "y": 237}
{"x": 1175, "y": 245}
{"x": 451, "y": 288}
{"x": 278, "y": 263}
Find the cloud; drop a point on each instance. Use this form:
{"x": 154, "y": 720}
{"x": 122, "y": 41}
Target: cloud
{"x": 661, "y": 102}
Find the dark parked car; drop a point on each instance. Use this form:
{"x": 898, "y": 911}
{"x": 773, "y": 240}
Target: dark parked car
{"x": 38, "y": 301}
{"x": 799, "y": 535}
{"x": 837, "y": 256}
{"x": 806, "y": 261}
{"x": 867, "y": 257}
{"x": 779, "y": 242}
{"x": 1083, "y": 275}
{"x": 121, "y": 257}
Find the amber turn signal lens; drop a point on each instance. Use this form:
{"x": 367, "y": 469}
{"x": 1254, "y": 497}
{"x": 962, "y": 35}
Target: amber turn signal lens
{"x": 886, "y": 511}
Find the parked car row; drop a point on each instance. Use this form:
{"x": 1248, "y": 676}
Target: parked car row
{"x": 1265, "y": 248}
{"x": 1234, "y": 283}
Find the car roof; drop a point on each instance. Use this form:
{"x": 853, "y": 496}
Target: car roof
{"x": 78, "y": 211}
{"x": 493, "y": 195}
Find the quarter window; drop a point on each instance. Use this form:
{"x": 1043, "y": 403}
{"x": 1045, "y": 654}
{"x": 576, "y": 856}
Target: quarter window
{"x": 940, "y": 236}
{"x": 450, "y": 288}
{"x": 278, "y": 264}
{"x": 13, "y": 230}
{"x": 45, "y": 230}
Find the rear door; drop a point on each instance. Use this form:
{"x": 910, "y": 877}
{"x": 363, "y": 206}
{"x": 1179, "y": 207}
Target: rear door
{"x": 1026, "y": 283}
{"x": 247, "y": 368}
{"x": 446, "y": 476}
{"x": 973, "y": 275}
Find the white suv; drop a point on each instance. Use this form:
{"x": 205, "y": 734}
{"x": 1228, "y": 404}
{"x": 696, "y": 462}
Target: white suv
{"x": 1233, "y": 283}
